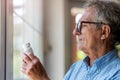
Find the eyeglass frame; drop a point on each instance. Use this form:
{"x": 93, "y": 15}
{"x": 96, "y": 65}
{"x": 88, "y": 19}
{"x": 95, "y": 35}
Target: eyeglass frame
{"x": 79, "y": 24}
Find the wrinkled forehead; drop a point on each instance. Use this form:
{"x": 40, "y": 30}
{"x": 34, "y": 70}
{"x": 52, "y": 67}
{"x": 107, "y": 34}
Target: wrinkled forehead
{"x": 88, "y": 15}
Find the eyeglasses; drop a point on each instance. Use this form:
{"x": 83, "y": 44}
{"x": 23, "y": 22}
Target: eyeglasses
{"x": 79, "y": 24}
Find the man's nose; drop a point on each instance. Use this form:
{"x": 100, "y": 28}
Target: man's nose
{"x": 76, "y": 32}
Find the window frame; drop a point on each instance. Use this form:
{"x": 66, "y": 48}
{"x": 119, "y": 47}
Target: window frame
{"x": 2, "y": 40}
{"x": 9, "y": 39}
{"x": 6, "y": 28}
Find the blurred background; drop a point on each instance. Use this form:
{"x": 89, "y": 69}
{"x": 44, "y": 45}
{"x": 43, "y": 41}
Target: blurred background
{"x": 48, "y": 26}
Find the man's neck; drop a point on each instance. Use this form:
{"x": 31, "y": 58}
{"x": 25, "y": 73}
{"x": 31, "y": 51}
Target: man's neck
{"x": 97, "y": 54}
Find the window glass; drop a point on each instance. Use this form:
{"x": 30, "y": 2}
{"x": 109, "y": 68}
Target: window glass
{"x": 27, "y": 25}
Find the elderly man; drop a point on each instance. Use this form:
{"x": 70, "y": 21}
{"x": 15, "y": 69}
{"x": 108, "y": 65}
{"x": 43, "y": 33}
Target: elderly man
{"x": 98, "y": 31}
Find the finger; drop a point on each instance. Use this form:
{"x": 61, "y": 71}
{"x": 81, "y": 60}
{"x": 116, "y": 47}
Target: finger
{"x": 23, "y": 70}
{"x": 26, "y": 58}
{"x": 23, "y": 61}
{"x": 31, "y": 56}
{"x": 24, "y": 67}
{"x": 36, "y": 61}
{"x": 24, "y": 64}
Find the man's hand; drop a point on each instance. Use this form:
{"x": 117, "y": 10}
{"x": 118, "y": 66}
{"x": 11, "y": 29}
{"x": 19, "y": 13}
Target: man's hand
{"x": 32, "y": 67}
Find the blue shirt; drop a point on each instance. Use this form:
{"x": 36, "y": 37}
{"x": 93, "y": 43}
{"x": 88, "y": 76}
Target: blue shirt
{"x": 106, "y": 67}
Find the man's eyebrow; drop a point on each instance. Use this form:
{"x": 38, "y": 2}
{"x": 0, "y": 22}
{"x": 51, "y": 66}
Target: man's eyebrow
{"x": 87, "y": 20}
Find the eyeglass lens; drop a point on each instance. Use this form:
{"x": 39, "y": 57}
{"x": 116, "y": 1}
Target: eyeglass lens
{"x": 78, "y": 26}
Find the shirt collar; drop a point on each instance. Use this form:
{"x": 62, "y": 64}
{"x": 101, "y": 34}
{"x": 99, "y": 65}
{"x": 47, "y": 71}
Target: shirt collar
{"x": 104, "y": 60}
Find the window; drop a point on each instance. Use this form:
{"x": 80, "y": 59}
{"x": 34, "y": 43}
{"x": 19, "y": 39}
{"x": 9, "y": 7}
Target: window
{"x": 20, "y": 22}
{"x": 27, "y": 27}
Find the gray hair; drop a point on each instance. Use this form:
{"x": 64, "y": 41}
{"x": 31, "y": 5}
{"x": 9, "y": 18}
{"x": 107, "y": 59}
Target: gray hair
{"x": 108, "y": 12}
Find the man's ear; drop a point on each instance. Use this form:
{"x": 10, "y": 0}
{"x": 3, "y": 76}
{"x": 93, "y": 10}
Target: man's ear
{"x": 105, "y": 32}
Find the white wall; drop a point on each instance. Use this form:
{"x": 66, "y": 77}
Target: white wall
{"x": 55, "y": 18}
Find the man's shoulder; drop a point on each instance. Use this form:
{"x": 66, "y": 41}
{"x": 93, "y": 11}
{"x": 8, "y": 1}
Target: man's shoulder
{"x": 77, "y": 64}
{"x": 116, "y": 61}
{"x": 115, "y": 64}
{"x": 115, "y": 70}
